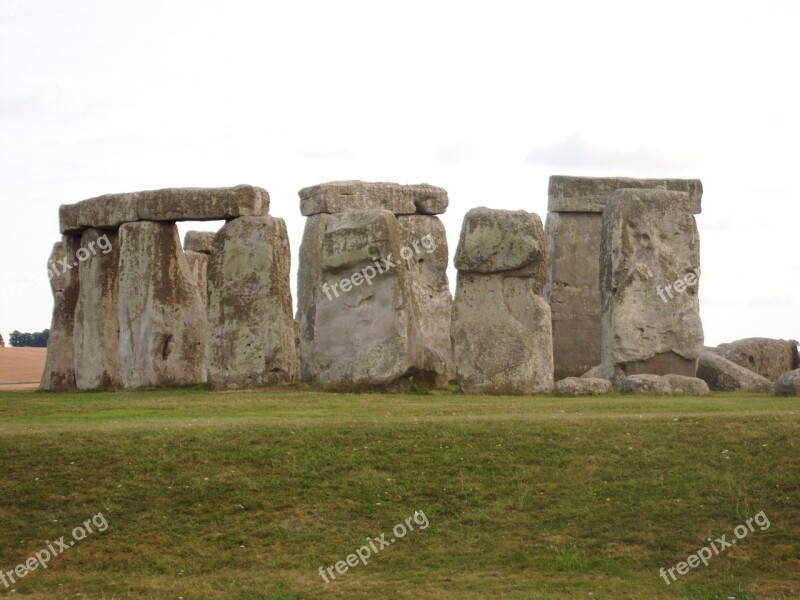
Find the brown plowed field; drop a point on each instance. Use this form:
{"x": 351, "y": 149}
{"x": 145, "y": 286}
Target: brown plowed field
{"x": 21, "y": 368}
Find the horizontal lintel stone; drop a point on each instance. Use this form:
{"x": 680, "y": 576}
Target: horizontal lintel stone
{"x": 590, "y": 194}
{"x": 344, "y": 196}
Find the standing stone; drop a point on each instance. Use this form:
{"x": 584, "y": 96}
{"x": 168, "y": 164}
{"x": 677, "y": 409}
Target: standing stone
{"x": 649, "y": 241}
{"x": 769, "y": 358}
{"x": 162, "y": 323}
{"x": 96, "y": 334}
{"x": 425, "y": 254}
{"x": 251, "y": 336}
{"x": 197, "y": 246}
{"x": 356, "y": 305}
{"x": 574, "y": 229}
{"x": 501, "y": 331}
{"x": 59, "y": 371}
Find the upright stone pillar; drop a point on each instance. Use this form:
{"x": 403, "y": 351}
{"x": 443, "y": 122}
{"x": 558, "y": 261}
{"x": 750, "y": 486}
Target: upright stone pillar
{"x": 197, "y": 246}
{"x": 251, "y": 332}
{"x": 97, "y": 314}
{"x": 373, "y": 298}
{"x": 501, "y": 330}
{"x": 62, "y": 268}
{"x": 161, "y": 316}
{"x": 649, "y": 279}
{"x": 574, "y": 229}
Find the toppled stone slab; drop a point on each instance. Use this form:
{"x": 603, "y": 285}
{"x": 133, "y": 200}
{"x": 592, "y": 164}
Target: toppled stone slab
{"x": 650, "y": 240}
{"x": 162, "y": 322}
{"x": 768, "y": 357}
{"x": 343, "y": 196}
{"x": 199, "y": 241}
{"x": 425, "y": 244}
{"x": 590, "y": 194}
{"x": 497, "y": 241}
{"x": 573, "y": 290}
{"x": 251, "y": 332}
{"x": 583, "y": 386}
{"x": 722, "y": 375}
{"x": 59, "y": 371}
{"x": 96, "y": 333}
{"x": 111, "y": 211}
{"x": 645, "y": 384}
{"x": 788, "y": 384}
{"x": 691, "y": 386}
{"x": 358, "y": 317}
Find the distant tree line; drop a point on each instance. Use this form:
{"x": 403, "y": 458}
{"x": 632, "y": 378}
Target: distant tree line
{"x": 31, "y": 340}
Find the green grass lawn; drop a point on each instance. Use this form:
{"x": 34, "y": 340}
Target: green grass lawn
{"x": 245, "y": 495}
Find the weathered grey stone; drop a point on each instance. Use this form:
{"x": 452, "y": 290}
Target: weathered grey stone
{"x": 583, "y": 386}
{"x": 68, "y": 221}
{"x": 573, "y": 290}
{"x": 788, "y": 384}
{"x": 251, "y": 336}
{"x": 691, "y": 386}
{"x": 425, "y": 253}
{"x": 199, "y": 241}
{"x": 344, "y": 196}
{"x": 198, "y": 269}
{"x": 201, "y": 204}
{"x": 593, "y": 373}
{"x": 767, "y": 357}
{"x": 649, "y": 241}
{"x": 96, "y": 333}
{"x": 590, "y": 194}
{"x": 357, "y": 313}
{"x": 501, "y": 335}
{"x": 722, "y": 375}
{"x": 162, "y": 323}
{"x": 108, "y": 211}
{"x": 644, "y": 384}
{"x": 59, "y": 371}
{"x": 510, "y": 241}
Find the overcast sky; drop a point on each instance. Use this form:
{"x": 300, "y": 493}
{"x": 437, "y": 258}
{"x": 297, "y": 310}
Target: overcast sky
{"x": 485, "y": 99}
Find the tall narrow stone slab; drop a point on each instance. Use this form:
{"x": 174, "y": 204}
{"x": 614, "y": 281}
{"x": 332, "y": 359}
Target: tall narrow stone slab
{"x": 96, "y": 334}
{"x": 356, "y": 306}
{"x": 501, "y": 329}
{"x": 162, "y": 322}
{"x": 649, "y": 242}
{"x": 251, "y": 341}
{"x": 573, "y": 229}
{"x": 62, "y": 268}
{"x": 424, "y": 251}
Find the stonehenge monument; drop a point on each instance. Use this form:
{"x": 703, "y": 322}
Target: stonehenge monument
{"x": 574, "y": 228}
{"x": 605, "y": 296}
{"x": 132, "y": 307}
{"x": 373, "y": 296}
{"x": 501, "y": 330}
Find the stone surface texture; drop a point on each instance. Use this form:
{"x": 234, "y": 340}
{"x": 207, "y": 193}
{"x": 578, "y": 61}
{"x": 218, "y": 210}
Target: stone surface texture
{"x": 722, "y": 375}
{"x": 590, "y": 194}
{"x": 788, "y": 384}
{"x": 345, "y": 196}
{"x": 583, "y": 386}
{"x": 768, "y": 357}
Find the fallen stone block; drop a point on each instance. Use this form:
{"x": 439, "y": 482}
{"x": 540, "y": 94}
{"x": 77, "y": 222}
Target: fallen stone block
{"x": 722, "y": 375}
{"x": 788, "y": 384}
{"x": 691, "y": 386}
{"x": 767, "y": 357}
{"x": 651, "y": 385}
{"x": 583, "y": 386}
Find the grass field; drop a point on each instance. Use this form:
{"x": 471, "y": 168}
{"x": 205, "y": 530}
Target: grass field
{"x": 246, "y": 495}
